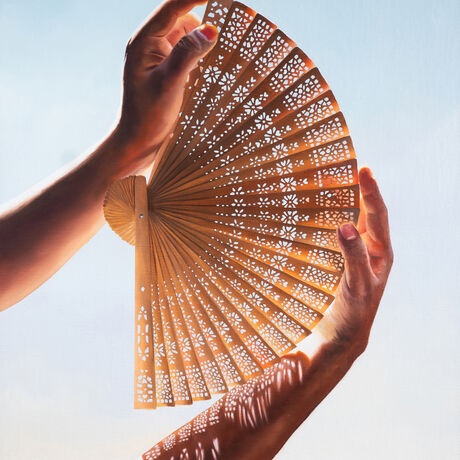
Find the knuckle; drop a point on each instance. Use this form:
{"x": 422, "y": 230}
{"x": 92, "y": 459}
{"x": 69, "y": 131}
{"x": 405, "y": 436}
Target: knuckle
{"x": 383, "y": 209}
{"x": 132, "y": 50}
{"x": 362, "y": 290}
{"x": 355, "y": 254}
{"x": 386, "y": 250}
{"x": 389, "y": 258}
{"x": 129, "y": 47}
{"x": 384, "y": 246}
{"x": 390, "y": 255}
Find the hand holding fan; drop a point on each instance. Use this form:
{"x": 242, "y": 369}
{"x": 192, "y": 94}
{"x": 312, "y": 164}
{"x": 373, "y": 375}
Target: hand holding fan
{"x": 236, "y": 254}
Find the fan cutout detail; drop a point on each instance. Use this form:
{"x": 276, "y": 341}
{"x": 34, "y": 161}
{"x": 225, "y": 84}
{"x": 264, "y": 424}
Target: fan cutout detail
{"x": 236, "y": 253}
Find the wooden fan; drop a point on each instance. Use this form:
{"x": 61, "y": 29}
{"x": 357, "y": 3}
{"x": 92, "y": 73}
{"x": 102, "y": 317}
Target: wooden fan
{"x": 236, "y": 254}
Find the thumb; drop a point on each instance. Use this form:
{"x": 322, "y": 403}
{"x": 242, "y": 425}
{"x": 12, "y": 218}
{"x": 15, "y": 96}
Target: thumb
{"x": 189, "y": 50}
{"x": 358, "y": 271}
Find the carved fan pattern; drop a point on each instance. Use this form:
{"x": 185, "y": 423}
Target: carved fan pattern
{"x": 236, "y": 254}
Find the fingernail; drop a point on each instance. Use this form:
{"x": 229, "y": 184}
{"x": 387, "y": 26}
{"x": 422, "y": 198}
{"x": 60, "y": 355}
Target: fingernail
{"x": 348, "y": 232}
{"x": 209, "y": 31}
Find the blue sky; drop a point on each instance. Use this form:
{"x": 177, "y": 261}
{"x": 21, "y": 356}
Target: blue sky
{"x": 65, "y": 352}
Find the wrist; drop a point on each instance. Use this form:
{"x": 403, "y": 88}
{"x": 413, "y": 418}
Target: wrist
{"x": 122, "y": 154}
{"x": 329, "y": 333}
{"x": 140, "y": 130}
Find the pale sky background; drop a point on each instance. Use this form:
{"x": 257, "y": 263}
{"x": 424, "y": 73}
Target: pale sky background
{"x": 66, "y": 361}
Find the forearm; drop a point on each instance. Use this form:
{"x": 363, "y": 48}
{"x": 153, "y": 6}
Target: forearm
{"x": 301, "y": 392}
{"x": 326, "y": 368}
{"x": 43, "y": 231}
{"x": 255, "y": 420}
{"x": 39, "y": 235}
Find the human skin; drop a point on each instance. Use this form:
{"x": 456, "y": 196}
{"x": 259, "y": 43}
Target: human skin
{"x": 253, "y": 421}
{"x": 46, "y": 228}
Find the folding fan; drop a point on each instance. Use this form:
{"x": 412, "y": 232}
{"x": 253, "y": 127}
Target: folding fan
{"x": 236, "y": 254}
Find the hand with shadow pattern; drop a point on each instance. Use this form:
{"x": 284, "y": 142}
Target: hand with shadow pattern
{"x": 254, "y": 420}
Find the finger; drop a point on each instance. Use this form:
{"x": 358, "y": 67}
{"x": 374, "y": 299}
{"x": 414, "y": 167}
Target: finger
{"x": 184, "y": 25}
{"x": 375, "y": 210}
{"x": 358, "y": 271}
{"x": 361, "y": 226}
{"x": 165, "y": 16}
{"x": 188, "y": 51}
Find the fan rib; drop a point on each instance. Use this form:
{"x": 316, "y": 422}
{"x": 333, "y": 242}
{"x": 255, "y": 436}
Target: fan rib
{"x": 288, "y": 98}
{"x": 230, "y": 333}
{"x": 249, "y": 76}
{"x": 144, "y": 385}
{"x": 325, "y": 218}
{"x": 195, "y": 378}
{"x": 317, "y": 181}
{"x": 232, "y": 71}
{"x": 318, "y": 307}
{"x": 262, "y": 125}
{"x": 316, "y": 236}
{"x": 307, "y": 288}
{"x": 273, "y": 308}
{"x": 268, "y": 115}
{"x": 215, "y": 14}
{"x": 225, "y": 362}
{"x": 322, "y": 128}
{"x": 212, "y": 240}
{"x": 263, "y": 166}
{"x": 306, "y": 315}
{"x": 220, "y": 287}
{"x": 291, "y": 198}
{"x": 179, "y": 381}
{"x": 266, "y": 93}
{"x": 322, "y": 257}
{"x": 217, "y": 343}
{"x": 221, "y": 54}
{"x": 211, "y": 371}
{"x": 163, "y": 387}
{"x": 277, "y": 48}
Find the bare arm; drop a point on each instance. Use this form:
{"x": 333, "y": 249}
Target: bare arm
{"x": 253, "y": 421}
{"x": 43, "y": 231}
